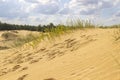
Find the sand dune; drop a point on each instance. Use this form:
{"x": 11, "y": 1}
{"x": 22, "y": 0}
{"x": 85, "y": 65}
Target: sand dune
{"x": 81, "y": 55}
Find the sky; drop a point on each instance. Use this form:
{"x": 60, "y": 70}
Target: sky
{"x": 35, "y": 12}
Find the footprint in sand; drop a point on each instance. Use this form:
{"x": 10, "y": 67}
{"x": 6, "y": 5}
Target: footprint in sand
{"x": 3, "y": 73}
{"x": 16, "y": 67}
{"x": 50, "y": 79}
{"x": 22, "y": 77}
{"x": 34, "y": 61}
{"x": 24, "y": 68}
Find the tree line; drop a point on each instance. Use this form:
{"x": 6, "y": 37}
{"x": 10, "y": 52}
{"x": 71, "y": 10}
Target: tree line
{"x": 50, "y": 26}
{"x": 42, "y": 28}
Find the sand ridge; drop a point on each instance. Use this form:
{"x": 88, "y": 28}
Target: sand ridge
{"x": 80, "y": 55}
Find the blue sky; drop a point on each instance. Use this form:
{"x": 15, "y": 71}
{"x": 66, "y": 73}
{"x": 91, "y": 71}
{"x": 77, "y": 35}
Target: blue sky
{"x": 101, "y": 12}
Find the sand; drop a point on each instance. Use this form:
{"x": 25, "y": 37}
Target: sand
{"x": 90, "y": 54}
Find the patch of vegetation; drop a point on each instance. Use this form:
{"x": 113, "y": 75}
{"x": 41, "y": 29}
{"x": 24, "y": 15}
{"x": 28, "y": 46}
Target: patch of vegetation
{"x": 111, "y": 26}
{"x": 8, "y": 35}
{"x": 51, "y": 32}
{"x": 25, "y": 39}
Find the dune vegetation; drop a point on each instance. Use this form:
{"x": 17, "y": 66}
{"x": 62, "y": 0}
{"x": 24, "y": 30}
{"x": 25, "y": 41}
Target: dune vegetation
{"x": 78, "y": 50}
{"x": 46, "y": 31}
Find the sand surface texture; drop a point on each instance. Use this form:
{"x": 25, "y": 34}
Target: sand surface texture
{"x": 81, "y": 55}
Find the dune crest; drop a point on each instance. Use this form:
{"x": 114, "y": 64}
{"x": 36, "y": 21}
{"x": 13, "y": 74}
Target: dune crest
{"x": 90, "y": 54}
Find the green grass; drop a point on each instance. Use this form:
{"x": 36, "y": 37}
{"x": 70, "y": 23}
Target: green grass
{"x": 52, "y": 33}
{"x": 25, "y": 39}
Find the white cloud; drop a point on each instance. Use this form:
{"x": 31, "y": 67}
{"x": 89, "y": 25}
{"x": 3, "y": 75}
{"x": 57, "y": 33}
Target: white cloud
{"x": 44, "y": 6}
{"x": 32, "y": 1}
{"x": 11, "y": 9}
{"x": 117, "y": 14}
{"x": 89, "y": 7}
{"x": 44, "y": 11}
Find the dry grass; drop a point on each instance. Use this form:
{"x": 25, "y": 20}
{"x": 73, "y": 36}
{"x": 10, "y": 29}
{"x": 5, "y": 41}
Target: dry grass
{"x": 9, "y": 35}
{"x": 72, "y": 26}
{"x": 50, "y": 34}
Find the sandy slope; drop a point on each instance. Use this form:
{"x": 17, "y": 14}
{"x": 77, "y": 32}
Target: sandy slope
{"x": 81, "y": 55}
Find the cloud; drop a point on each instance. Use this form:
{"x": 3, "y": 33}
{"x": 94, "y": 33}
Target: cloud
{"x": 47, "y": 7}
{"x": 89, "y": 7}
{"x": 11, "y": 9}
{"x": 50, "y": 8}
{"x": 35, "y": 11}
{"x": 117, "y": 14}
{"x": 32, "y": 1}
{"x": 64, "y": 11}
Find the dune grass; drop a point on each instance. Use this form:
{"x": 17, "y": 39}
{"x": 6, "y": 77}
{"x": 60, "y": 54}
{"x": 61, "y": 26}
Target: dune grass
{"x": 54, "y": 32}
{"x": 25, "y": 39}
{"x": 8, "y": 35}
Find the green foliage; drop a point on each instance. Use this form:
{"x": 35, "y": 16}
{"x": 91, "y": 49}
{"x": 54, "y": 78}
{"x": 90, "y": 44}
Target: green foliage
{"x": 26, "y": 39}
{"x": 49, "y": 31}
{"x": 111, "y": 26}
{"x": 115, "y": 26}
{"x": 72, "y": 24}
